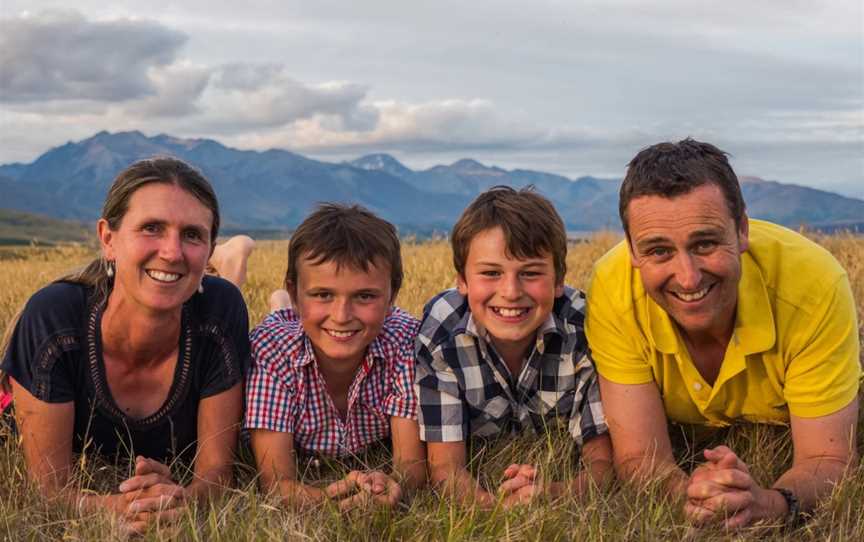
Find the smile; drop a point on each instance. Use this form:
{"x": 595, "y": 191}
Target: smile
{"x": 163, "y": 276}
{"x": 508, "y": 312}
{"x": 695, "y": 296}
{"x": 341, "y": 334}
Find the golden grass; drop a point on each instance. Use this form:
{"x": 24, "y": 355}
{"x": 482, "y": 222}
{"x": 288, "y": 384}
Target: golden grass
{"x": 245, "y": 514}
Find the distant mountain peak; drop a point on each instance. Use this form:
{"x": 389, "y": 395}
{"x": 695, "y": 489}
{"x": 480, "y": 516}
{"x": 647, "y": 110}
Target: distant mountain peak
{"x": 381, "y": 162}
{"x": 467, "y": 163}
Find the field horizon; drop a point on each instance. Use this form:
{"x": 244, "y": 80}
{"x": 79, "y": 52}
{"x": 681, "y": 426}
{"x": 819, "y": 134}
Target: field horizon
{"x": 244, "y": 513}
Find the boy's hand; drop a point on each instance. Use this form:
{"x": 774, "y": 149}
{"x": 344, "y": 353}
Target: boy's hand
{"x": 151, "y": 496}
{"x": 521, "y": 485}
{"x": 359, "y": 489}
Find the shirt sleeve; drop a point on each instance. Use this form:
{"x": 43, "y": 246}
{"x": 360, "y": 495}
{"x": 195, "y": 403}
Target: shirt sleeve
{"x": 402, "y": 401}
{"x": 824, "y": 372}
{"x": 587, "y": 420}
{"x": 231, "y": 335}
{"x": 613, "y": 333}
{"x": 442, "y": 414}
{"x": 44, "y": 348}
{"x": 270, "y": 393}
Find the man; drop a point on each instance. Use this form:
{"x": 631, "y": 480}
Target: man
{"x": 704, "y": 316}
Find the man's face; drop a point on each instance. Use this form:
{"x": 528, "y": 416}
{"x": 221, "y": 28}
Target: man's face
{"x": 688, "y": 251}
{"x": 510, "y": 298}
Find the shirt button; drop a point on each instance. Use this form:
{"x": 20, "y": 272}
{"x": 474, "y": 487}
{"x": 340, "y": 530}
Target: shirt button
{"x": 697, "y": 386}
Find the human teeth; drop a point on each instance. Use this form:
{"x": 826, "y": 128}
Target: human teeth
{"x": 162, "y": 276}
{"x": 340, "y": 334}
{"x": 509, "y": 313}
{"x": 694, "y": 296}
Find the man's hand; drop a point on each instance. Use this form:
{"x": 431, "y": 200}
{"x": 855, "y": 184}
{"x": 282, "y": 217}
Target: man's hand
{"x": 151, "y": 496}
{"x": 723, "y": 490}
{"x": 359, "y": 489}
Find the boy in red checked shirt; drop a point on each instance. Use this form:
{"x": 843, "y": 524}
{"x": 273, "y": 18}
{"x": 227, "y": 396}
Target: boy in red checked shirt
{"x": 333, "y": 373}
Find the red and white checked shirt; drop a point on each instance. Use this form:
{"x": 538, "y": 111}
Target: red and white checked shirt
{"x": 286, "y": 392}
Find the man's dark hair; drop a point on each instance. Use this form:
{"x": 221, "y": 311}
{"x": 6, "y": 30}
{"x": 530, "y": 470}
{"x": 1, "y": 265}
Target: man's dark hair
{"x": 673, "y": 169}
{"x": 348, "y": 235}
{"x": 531, "y": 225}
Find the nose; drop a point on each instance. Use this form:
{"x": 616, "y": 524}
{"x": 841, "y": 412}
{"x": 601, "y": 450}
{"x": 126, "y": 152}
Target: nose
{"x": 340, "y": 310}
{"x": 687, "y": 273}
{"x": 171, "y": 248}
{"x": 510, "y": 287}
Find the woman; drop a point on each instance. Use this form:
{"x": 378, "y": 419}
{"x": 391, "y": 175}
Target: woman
{"x": 139, "y": 355}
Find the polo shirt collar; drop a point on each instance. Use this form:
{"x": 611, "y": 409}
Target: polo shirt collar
{"x": 754, "y": 319}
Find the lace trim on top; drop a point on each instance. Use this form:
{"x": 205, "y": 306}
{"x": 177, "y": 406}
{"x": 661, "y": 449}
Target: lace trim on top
{"x": 100, "y": 386}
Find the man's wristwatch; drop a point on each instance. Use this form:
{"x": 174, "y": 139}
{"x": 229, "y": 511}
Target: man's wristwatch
{"x": 793, "y": 516}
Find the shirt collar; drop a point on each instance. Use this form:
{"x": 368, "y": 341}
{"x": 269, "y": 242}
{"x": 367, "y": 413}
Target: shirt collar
{"x": 754, "y": 319}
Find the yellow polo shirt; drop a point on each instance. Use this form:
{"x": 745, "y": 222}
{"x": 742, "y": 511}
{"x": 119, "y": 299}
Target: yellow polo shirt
{"x": 795, "y": 347}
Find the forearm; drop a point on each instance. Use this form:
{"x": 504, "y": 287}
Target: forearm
{"x": 642, "y": 470}
{"x": 810, "y": 480}
{"x": 210, "y": 482}
{"x": 410, "y": 475}
{"x": 295, "y": 493}
{"x": 458, "y": 483}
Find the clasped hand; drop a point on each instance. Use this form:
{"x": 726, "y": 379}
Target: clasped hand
{"x": 722, "y": 489}
{"x": 359, "y": 489}
{"x": 151, "y": 496}
{"x": 521, "y": 485}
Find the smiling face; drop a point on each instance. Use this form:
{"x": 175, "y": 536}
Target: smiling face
{"x": 508, "y": 297}
{"x": 342, "y": 309}
{"x": 688, "y": 251}
{"x": 160, "y": 248}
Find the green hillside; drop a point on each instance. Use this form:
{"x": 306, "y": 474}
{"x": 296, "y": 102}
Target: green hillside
{"x": 17, "y": 228}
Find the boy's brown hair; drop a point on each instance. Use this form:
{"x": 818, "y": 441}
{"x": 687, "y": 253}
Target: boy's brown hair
{"x": 531, "y": 225}
{"x": 348, "y": 235}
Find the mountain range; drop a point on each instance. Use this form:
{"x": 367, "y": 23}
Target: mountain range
{"x": 275, "y": 189}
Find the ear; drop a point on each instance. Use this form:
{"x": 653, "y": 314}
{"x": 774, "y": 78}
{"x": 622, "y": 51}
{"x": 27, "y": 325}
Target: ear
{"x": 634, "y": 261}
{"x": 744, "y": 234}
{"x": 461, "y": 284}
{"x": 292, "y": 293}
{"x": 559, "y": 290}
{"x": 106, "y": 238}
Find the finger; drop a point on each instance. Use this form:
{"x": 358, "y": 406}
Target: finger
{"x": 729, "y": 502}
{"x": 739, "y": 520}
{"x": 141, "y": 482}
{"x": 145, "y": 465}
{"x": 698, "y": 515}
{"x": 724, "y": 480}
{"x": 704, "y": 490}
{"x": 154, "y": 504}
{"x": 360, "y": 500}
{"x": 341, "y": 487}
{"x": 162, "y": 516}
{"x": 513, "y": 484}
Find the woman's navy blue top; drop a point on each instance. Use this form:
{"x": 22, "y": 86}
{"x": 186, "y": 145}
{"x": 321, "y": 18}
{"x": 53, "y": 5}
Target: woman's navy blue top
{"x": 56, "y": 354}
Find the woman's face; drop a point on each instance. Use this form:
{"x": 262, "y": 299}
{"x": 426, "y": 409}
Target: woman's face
{"x": 160, "y": 249}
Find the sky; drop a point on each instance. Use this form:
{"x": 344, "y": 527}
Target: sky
{"x": 569, "y": 87}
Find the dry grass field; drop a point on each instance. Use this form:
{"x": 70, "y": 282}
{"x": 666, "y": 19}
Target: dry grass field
{"x": 245, "y": 514}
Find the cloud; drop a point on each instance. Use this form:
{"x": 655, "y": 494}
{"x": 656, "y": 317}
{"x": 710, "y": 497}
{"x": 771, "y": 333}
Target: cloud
{"x": 244, "y": 96}
{"x": 60, "y": 55}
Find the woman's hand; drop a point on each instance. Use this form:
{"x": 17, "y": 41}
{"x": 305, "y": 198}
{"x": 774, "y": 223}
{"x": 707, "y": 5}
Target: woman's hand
{"x": 151, "y": 496}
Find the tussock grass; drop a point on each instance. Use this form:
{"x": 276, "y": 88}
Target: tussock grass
{"x": 245, "y": 513}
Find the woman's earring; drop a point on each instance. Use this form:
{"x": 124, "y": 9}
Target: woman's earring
{"x": 109, "y": 268}
{"x": 201, "y": 287}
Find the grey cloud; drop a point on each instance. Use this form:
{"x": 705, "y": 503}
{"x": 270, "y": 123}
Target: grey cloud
{"x": 245, "y": 96}
{"x": 60, "y": 55}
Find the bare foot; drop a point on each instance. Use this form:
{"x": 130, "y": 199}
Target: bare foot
{"x": 229, "y": 259}
{"x": 280, "y": 299}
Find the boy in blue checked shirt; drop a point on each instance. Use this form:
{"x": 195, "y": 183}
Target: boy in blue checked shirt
{"x": 333, "y": 373}
{"x": 506, "y": 352}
